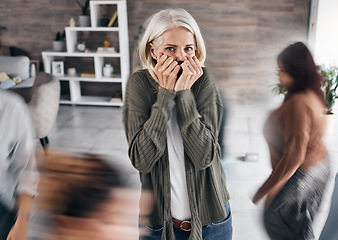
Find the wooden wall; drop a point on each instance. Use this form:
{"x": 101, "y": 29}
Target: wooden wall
{"x": 243, "y": 37}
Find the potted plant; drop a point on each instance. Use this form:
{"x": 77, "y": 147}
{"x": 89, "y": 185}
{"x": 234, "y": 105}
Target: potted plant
{"x": 59, "y": 42}
{"x": 84, "y": 19}
{"x": 329, "y": 86}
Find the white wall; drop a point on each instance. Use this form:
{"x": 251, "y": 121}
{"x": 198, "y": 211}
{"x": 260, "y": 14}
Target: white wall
{"x": 325, "y": 49}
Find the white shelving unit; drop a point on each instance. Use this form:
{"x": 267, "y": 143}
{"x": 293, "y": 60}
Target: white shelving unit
{"x": 98, "y": 58}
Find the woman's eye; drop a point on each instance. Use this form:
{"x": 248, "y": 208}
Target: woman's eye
{"x": 170, "y": 49}
{"x": 189, "y": 49}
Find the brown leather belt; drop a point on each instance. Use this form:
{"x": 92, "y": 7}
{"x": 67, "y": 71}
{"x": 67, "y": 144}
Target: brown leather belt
{"x": 184, "y": 225}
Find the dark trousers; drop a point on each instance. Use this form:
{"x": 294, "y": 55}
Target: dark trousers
{"x": 7, "y": 220}
{"x": 291, "y": 213}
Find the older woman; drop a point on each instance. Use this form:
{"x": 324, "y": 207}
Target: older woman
{"x": 172, "y": 115}
{"x": 299, "y": 160}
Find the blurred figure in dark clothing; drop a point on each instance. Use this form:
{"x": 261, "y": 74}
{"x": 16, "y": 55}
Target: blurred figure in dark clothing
{"x": 299, "y": 159}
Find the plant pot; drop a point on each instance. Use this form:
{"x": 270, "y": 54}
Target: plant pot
{"x": 59, "y": 46}
{"x": 84, "y": 21}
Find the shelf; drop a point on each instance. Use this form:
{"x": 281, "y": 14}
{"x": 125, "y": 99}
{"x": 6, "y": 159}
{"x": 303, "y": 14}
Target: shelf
{"x": 92, "y": 29}
{"x": 93, "y": 100}
{"x": 104, "y": 2}
{"x": 88, "y": 79}
{"x": 76, "y": 87}
{"x": 80, "y": 54}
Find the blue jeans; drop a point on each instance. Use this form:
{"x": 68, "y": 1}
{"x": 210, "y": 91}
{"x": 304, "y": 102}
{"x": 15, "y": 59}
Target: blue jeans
{"x": 221, "y": 230}
{"x": 7, "y": 220}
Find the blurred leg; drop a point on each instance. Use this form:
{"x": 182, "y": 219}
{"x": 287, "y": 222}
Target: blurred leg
{"x": 7, "y": 220}
{"x": 291, "y": 213}
{"x": 330, "y": 230}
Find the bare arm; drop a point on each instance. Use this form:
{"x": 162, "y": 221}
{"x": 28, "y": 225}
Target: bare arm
{"x": 20, "y": 229}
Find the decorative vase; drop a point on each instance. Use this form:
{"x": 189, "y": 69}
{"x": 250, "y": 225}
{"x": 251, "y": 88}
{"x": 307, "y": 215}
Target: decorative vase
{"x": 84, "y": 21}
{"x": 107, "y": 70}
{"x": 59, "y": 46}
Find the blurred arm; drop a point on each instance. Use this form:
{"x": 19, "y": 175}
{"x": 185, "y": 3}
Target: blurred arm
{"x": 20, "y": 229}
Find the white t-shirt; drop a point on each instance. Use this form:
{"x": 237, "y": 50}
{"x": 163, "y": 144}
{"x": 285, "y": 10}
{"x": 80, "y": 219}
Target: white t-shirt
{"x": 179, "y": 193}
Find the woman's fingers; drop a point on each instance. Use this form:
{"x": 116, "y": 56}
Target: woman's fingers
{"x": 160, "y": 63}
{"x": 158, "y": 69}
{"x": 187, "y": 68}
{"x": 176, "y": 70}
{"x": 192, "y": 70}
{"x": 170, "y": 76}
{"x": 196, "y": 65}
{"x": 165, "y": 62}
{"x": 166, "y": 70}
{"x": 185, "y": 80}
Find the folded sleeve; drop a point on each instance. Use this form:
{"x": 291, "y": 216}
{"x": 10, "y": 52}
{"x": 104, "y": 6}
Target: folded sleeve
{"x": 199, "y": 118}
{"x": 145, "y": 121}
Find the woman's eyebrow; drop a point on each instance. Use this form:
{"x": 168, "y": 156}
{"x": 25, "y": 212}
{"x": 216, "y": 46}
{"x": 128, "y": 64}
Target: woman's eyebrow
{"x": 170, "y": 45}
{"x": 173, "y": 45}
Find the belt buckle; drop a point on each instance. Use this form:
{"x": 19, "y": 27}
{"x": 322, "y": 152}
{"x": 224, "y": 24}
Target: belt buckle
{"x": 185, "y": 229}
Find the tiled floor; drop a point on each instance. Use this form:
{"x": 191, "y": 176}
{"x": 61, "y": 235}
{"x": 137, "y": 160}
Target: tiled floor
{"x": 99, "y": 130}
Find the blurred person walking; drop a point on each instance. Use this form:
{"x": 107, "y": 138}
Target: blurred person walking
{"x": 86, "y": 197}
{"x": 18, "y": 173}
{"x": 172, "y": 116}
{"x": 299, "y": 158}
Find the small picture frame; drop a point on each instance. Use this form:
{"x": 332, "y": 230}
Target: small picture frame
{"x": 57, "y": 68}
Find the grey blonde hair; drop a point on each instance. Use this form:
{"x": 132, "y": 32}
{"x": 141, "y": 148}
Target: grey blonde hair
{"x": 161, "y": 22}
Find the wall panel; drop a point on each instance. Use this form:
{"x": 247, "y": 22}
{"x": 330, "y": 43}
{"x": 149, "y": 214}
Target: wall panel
{"x": 243, "y": 37}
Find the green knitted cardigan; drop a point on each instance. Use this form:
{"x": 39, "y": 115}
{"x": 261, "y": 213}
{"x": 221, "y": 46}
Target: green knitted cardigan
{"x": 146, "y": 113}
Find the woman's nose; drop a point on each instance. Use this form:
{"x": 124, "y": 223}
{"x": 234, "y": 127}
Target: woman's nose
{"x": 180, "y": 55}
